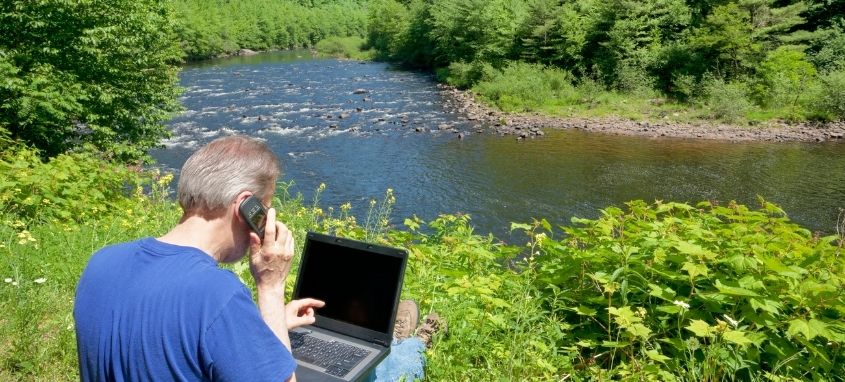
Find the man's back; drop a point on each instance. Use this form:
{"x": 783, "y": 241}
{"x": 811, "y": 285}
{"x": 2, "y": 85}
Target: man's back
{"x": 148, "y": 310}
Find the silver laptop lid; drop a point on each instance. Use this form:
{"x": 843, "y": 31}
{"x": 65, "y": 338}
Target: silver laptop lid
{"x": 360, "y": 282}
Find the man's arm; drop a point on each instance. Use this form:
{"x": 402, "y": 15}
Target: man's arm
{"x": 270, "y": 261}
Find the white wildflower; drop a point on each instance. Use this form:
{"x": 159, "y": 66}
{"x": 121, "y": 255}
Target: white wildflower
{"x": 40, "y": 280}
{"x": 681, "y": 304}
{"x": 8, "y": 279}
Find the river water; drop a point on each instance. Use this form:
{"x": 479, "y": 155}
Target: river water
{"x": 361, "y": 144}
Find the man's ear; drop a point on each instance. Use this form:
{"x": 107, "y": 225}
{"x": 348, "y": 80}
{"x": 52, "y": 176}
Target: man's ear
{"x": 236, "y": 203}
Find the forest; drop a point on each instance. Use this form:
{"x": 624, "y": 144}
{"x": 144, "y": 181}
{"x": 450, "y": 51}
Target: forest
{"x": 736, "y": 60}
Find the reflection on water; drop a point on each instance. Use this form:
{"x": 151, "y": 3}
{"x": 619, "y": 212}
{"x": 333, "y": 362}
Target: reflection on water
{"x": 354, "y": 126}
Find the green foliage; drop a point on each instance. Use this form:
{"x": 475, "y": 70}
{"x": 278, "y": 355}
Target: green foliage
{"x": 344, "y": 47}
{"x": 637, "y": 48}
{"x": 830, "y": 46}
{"x": 784, "y": 76}
{"x": 469, "y": 30}
{"x": 208, "y": 31}
{"x": 387, "y": 27}
{"x": 101, "y": 72}
{"x": 521, "y": 86}
{"x": 726, "y": 101}
{"x": 464, "y": 75}
{"x": 671, "y": 291}
{"x": 68, "y": 187}
{"x": 829, "y": 100}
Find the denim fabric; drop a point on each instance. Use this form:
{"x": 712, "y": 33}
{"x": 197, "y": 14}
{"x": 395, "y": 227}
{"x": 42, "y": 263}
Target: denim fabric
{"x": 406, "y": 358}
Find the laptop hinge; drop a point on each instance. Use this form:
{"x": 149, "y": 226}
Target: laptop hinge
{"x": 380, "y": 342}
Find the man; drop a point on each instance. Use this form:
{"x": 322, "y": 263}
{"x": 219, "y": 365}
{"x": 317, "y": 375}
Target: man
{"x": 160, "y": 309}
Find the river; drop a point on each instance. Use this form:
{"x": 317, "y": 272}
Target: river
{"x": 362, "y": 128}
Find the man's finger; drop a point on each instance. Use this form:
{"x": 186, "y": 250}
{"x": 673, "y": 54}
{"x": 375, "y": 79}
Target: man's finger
{"x": 312, "y": 302}
{"x": 270, "y": 226}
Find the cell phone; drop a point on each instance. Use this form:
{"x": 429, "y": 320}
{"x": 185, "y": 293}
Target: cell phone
{"x": 255, "y": 214}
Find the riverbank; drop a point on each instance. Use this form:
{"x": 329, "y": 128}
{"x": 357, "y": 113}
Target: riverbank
{"x": 530, "y": 125}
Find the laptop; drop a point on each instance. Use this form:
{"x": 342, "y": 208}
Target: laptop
{"x": 360, "y": 283}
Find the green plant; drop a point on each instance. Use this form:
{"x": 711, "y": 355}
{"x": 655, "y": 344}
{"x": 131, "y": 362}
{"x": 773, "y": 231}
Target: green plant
{"x": 829, "y": 100}
{"x": 74, "y": 186}
{"x": 784, "y": 77}
{"x": 726, "y": 101}
{"x": 707, "y": 292}
{"x": 344, "y": 47}
{"x": 521, "y": 86}
{"x": 464, "y": 75}
{"x": 101, "y": 72}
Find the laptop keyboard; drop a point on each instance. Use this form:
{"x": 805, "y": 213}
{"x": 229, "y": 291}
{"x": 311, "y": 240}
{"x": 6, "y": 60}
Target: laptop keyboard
{"x": 337, "y": 357}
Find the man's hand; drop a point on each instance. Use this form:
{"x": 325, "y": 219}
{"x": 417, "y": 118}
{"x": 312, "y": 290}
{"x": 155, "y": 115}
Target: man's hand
{"x": 270, "y": 258}
{"x": 301, "y": 312}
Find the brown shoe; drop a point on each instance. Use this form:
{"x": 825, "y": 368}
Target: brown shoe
{"x": 433, "y": 324}
{"x": 407, "y": 318}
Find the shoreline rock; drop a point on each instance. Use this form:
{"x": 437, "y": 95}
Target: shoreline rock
{"x": 525, "y": 125}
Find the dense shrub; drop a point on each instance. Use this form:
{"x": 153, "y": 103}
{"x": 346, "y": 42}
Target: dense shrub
{"x": 726, "y": 101}
{"x": 464, "y": 75}
{"x": 521, "y": 86}
{"x": 784, "y": 77}
{"x": 101, "y": 72}
{"x": 674, "y": 292}
{"x": 68, "y": 187}
{"x": 829, "y": 101}
{"x": 344, "y": 47}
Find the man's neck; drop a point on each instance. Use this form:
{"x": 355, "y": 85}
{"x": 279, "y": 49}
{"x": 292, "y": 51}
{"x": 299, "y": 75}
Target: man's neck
{"x": 210, "y": 236}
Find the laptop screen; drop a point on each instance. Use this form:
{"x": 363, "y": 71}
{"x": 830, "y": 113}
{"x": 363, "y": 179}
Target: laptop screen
{"x": 358, "y": 286}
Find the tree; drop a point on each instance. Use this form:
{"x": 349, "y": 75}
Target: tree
{"x": 99, "y": 72}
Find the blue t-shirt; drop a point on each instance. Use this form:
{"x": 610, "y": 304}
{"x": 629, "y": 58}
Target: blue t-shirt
{"x": 152, "y": 311}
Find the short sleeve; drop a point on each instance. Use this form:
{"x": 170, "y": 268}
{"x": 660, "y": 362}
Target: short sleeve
{"x": 239, "y": 346}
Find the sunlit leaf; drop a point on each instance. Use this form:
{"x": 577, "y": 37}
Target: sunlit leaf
{"x": 736, "y": 336}
{"x": 700, "y": 328}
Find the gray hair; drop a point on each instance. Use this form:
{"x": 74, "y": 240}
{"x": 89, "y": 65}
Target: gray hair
{"x": 214, "y": 175}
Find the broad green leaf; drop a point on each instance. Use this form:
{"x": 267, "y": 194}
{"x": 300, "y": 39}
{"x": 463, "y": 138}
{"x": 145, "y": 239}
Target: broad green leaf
{"x": 655, "y": 355}
{"x": 615, "y": 344}
{"x": 734, "y": 291}
{"x": 624, "y": 316}
{"x": 692, "y": 249}
{"x": 665, "y": 293}
{"x": 798, "y": 326}
{"x": 520, "y": 226}
{"x": 671, "y": 309}
{"x": 695, "y": 269}
{"x": 585, "y": 311}
{"x": 770, "y": 306}
{"x": 736, "y": 336}
{"x": 639, "y": 330}
{"x": 817, "y": 328}
{"x": 700, "y": 328}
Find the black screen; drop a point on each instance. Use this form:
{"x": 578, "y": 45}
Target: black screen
{"x": 359, "y": 287}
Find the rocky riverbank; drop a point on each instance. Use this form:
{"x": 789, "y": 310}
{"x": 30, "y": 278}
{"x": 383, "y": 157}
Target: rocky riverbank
{"x": 525, "y": 126}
